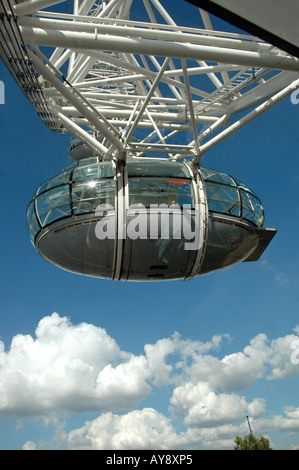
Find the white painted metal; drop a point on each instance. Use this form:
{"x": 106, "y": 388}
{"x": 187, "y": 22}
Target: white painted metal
{"x": 273, "y": 16}
{"x": 128, "y": 69}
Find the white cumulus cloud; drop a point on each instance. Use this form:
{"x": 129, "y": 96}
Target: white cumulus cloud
{"x": 139, "y": 429}
{"x": 65, "y": 369}
{"x": 69, "y": 368}
{"x": 199, "y": 405}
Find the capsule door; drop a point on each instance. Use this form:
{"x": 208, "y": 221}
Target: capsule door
{"x": 160, "y": 222}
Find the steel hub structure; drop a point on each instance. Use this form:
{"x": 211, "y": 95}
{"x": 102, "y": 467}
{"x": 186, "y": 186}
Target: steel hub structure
{"x": 128, "y": 67}
{"x": 145, "y": 90}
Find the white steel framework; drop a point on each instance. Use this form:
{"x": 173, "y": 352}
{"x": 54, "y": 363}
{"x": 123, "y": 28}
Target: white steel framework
{"x": 130, "y": 71}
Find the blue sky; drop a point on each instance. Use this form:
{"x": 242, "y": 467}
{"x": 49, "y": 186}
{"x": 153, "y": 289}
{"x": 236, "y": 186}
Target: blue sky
{"x": 89, "y": 362}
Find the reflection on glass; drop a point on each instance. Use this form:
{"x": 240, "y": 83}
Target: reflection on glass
{"x": 78, "y": 189}
{"x": 93, "y": 172}
{"x": 87, "y": 196}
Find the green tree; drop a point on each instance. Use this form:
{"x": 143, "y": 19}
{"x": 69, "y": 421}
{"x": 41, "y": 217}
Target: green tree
{"x": 251, "y": 442}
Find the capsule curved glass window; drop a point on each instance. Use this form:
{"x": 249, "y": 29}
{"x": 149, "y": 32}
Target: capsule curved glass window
{"x": 32, "y": 222}
{"x": 61, "y": 179}
{"x": 92, "y": 172}
{"x": 217, "y": 177}
{"x": 224, "y": 199}
{"x": 252, "y": 208}
{"x": 53, "y": 204}
{"x": 227, "y": 195}
{"x": 157, "y": 168}
{"x": 86, "y": 197}
{"x": 79, "y": 189}
{"x": 160, "y": 182}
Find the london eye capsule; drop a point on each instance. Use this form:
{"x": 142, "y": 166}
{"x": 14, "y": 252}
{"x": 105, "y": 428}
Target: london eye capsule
{"x": 144, "y": 220}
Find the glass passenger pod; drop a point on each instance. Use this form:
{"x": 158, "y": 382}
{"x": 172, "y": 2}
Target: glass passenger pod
{"x": 62, "y": 219}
